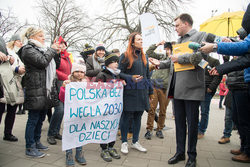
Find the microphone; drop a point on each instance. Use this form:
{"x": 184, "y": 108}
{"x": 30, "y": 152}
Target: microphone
{"x": 211, "y": 38}
{"x": 194, "y": 46}
{"x": 195, "y": 58}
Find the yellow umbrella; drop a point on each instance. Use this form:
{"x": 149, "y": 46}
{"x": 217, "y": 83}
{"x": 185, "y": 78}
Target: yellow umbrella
{"x": 225, "y": 24}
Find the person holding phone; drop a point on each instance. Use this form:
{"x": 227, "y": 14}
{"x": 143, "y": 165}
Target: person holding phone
{"x": 135, "y": 71}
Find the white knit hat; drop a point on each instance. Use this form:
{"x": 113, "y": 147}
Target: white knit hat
{"x": 78, "y": 67}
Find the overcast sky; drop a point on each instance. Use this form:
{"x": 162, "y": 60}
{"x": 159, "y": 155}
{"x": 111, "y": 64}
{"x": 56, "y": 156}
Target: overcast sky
{"x": 200, "y": 10}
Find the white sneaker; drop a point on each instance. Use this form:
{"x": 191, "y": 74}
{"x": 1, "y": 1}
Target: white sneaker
{"x": 138, "y": 147}
{"x": 124, "y": 148}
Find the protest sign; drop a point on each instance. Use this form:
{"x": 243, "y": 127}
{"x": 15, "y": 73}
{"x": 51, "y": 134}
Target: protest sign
{"x": 150, "y": 31}
{"x": 91, "y": 113}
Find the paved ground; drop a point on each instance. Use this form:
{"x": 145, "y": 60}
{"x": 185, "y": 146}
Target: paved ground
{"x": 210, "y": 153}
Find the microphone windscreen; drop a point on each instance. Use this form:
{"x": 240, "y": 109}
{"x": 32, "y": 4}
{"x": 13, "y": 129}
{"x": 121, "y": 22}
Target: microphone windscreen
{"x": 195, "y": 58}
{"x": 194, "y": 45}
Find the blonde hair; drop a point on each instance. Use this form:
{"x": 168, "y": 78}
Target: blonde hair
{"x": 31, "y": 31}
{"x": 11, "y": 44}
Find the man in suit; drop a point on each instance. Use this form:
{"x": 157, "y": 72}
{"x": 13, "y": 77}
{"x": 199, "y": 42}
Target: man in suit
{"x": 188, "y": 90}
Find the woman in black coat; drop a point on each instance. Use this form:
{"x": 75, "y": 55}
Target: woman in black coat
{"x": 134, "y": 70}
{"x": 36, "y": 59}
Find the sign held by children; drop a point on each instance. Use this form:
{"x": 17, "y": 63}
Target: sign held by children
{"x": 92, "y": 112}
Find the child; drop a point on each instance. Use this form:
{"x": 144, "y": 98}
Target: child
{"x": 110, "y": 73}
{"x": 77, "y": 75}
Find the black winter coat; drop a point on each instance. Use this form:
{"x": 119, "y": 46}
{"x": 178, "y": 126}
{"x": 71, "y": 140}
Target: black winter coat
{"x": 235, "y": 80}
{"x": 212, "y": 82}
{"x": 239, "y": 64}
{"x": 35, "y": 62}
{"x": 105, "y": 76}
{"x": 228, "y": 100}
{"x": 135, "y": 95}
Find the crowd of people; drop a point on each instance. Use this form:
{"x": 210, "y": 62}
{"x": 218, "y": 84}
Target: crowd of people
{"x": 33, "y": 78}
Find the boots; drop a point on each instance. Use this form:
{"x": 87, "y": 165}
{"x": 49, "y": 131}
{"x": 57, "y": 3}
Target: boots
{"x": 69, "y": 159}
{"x": 79, "y": 156}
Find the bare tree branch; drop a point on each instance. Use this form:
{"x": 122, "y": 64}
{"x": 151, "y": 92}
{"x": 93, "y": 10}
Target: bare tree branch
{"x": 125, "y": 19}
{"x": 63, "y": 17}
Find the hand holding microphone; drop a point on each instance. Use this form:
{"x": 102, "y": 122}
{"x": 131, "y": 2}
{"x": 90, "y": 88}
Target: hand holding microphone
{"x": 213, "y": 71}
{"x": 208, "y": 47}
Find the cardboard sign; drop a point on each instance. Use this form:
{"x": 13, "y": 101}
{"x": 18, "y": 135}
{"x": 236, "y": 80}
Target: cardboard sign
{"x": 150, "y": 31}
{"x": 92, "y": 113}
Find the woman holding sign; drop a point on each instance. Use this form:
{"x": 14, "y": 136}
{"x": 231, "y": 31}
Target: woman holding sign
{"x": 134, "y": 70}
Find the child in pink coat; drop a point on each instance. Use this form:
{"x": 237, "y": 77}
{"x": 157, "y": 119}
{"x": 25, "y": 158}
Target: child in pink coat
{"x": 223, "y": 91}
{"x": 77, "y": 75}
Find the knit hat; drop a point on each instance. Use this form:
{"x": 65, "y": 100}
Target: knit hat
{"x": 246, "y": 20}
{"x": 87, "y": 50}
{"x": 61, "y": 40}
{"x": 100, "y": 47}
{"x": 110, "y": 58}
{"x": 168, "y": 45}
{"x": 15, "y": 37}
{"x": 78, "y": 67}
{"x": 115, "y": 51}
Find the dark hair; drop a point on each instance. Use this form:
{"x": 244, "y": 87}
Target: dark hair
{"x": 184, "y": 17}
{"x": 168, "y": 45}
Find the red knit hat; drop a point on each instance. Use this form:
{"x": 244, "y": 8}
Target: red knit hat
{"x": 61, "y": 40}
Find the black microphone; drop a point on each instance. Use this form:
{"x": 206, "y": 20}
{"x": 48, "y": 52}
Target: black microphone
{"x": 211, "y": 38}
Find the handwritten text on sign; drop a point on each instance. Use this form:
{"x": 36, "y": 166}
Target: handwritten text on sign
{"x": 91, "y": 113}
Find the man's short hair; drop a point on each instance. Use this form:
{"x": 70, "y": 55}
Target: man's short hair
{"x": 185, "y": 18}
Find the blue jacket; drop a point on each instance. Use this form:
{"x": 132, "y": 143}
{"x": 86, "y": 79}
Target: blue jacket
{"x": 237, "y": 49}
{"x": 234, "y": 48}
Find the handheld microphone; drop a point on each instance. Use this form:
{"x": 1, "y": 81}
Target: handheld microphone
{"x": 211, "y": 38}
{"x": 195, "y": 58}
{"x": 194, "y": 46}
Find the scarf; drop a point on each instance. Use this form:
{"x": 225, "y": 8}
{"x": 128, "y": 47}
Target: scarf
{"x": 97, "y": 62}
{"x": 50, "y": 69}
{"x": 115, "y": 72}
